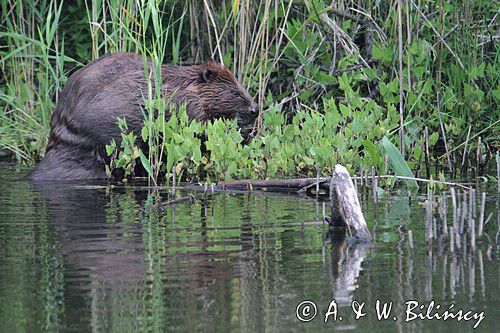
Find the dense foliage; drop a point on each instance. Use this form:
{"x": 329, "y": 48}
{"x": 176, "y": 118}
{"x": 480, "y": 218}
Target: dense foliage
{"x": 310, "y": 145}
{"x": 332, "y": 78}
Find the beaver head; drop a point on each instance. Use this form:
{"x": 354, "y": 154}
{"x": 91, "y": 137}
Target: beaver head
{"x": 210, "y": 91}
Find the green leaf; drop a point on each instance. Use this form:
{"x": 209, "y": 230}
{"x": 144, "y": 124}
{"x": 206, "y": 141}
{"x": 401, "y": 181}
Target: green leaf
{"x": 372, "y": 152}
{"x": 377, "y": 52}
{"x": 196, "y": 152}
{"x": 145, "y": 162}
{"x": 433, "y": 138}
{"x": 397, "y": 162}
{"x": 308, "y": 160}
{"x": 145, "y": 133}
{"x": 380, "y": 52}
{"x": 110, "y": 149}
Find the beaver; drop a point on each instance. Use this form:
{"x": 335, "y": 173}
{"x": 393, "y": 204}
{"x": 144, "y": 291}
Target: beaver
{"x": 85, "y": 118}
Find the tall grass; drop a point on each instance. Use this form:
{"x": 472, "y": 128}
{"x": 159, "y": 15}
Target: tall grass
{"x": 435, "y": 62}
{"x": 33, "y": 67}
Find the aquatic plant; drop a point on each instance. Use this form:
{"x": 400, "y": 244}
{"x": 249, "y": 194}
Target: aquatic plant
{"x": 311, "y": 144}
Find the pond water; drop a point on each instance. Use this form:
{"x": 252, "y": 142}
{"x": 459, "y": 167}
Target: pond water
{"x": 82, "y": 257}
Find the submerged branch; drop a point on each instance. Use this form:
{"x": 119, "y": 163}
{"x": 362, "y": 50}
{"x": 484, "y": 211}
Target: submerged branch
{"x": 303, "y": 185}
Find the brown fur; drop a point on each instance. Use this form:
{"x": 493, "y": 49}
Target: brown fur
{"x": 85, "y": 119}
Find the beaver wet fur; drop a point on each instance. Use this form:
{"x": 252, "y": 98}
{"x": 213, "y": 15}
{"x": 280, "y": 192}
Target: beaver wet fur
{"x": 85, "y": 118}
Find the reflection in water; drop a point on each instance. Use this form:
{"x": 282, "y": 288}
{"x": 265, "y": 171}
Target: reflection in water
{"x": 76, "y": 257}
{"x": 346, "y": 263}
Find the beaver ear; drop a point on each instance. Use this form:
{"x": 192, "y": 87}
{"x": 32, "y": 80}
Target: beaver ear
{"x": 208, "y": 75}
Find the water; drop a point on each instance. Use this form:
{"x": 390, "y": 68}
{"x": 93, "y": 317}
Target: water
{"x": 81, "y": 257}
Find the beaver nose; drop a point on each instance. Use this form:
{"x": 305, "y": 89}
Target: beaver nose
{"x": 254, "y": 109}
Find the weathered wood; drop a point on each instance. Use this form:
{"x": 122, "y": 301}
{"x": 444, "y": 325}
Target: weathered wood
{"x": 303, "y": 185}
{"x": 292, "y": 184}
{"x": 336, "y": 219}
{"x": 348, "y": 204}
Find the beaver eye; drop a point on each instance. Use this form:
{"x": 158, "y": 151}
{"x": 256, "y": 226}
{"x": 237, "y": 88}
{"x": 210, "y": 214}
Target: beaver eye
{"x": 235, "y": 93}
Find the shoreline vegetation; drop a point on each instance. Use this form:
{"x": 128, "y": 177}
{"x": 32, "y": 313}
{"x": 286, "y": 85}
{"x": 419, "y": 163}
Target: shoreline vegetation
{"x": 405, "y": 87}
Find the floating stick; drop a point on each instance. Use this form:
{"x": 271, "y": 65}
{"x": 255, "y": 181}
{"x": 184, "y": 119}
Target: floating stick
{"x": 317, "y": 185}
{"x": 481, "y": 273}
{"x": 428, "y": 222}
{"x": 173, "y": 180}
{"x": 410, "y": 239}
{"x": 481, "y": 215}
{"x": 498, "y": 170}
{"x": 472, "y": 222}
{"x": 474, "y": 209}
{"x": 452, "y": 239}
{"x": 463, "y": 212}
{"x": 361, "y": 173}
{"x": 374, "y": 186}
{"x": 205, "y": 195}
{"x": 454, "y": 207}
{"x": 445, "y": 214}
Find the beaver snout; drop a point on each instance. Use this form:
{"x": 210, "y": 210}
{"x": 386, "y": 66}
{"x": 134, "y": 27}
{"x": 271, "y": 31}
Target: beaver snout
{"x": 248, "y": 116}
{"x": 254, "y": 109}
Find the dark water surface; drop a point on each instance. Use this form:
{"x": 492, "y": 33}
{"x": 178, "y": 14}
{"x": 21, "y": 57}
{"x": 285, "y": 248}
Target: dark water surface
{"x": 79, "y": 257}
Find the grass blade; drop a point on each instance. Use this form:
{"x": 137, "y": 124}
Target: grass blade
{"x": 397, "y": 162}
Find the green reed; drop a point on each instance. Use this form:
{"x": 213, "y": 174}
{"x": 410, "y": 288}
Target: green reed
{"x": 436, "y": 64}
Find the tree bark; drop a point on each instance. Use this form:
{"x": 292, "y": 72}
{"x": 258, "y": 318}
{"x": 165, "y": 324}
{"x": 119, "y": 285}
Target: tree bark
{"x": 348, "y": 204}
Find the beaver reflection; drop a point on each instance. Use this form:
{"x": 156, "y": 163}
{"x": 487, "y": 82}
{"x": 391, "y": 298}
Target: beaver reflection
{"x": 115, "y": 248}
{"x": 94, "y": 248}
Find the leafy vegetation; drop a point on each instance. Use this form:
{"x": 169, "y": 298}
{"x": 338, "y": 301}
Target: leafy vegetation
{"x": 410, "y": 86}
{"x": 309, "y": 145}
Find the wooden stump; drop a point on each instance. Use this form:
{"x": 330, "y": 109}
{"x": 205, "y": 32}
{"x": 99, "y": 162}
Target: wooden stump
{"x": 348, "y": 205}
